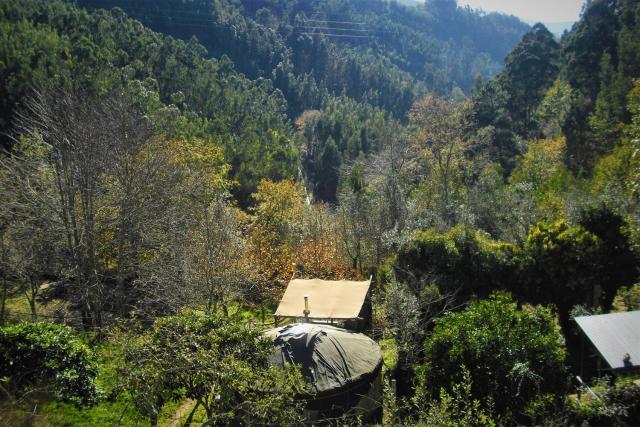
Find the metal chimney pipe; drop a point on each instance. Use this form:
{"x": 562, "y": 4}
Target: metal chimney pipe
{"x": 306, "y": 311}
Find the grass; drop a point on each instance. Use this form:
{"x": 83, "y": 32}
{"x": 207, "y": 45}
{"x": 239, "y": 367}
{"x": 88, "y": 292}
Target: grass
{"x": 17, "y": 307}
{"x": 252, "y": 313}
{"x": 199, "y": 416}
{"x": 116, "y": 411}
{"x": 247, "y": 313}
{"x": 119, "y": 412}
{"x": 389, "y": 350}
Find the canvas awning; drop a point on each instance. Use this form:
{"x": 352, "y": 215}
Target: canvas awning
{"x": 615, "y": 336}
{"x": 328, "y": 299}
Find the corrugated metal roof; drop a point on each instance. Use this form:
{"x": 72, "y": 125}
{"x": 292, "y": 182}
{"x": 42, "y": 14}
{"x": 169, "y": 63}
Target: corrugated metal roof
{"x": 328, "y": 299}
{"x": 614, "y": 335}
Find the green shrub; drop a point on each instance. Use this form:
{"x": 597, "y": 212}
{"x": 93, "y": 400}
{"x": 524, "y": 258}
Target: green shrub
{"x": 619, "y": 406}
{"x": 616, "y": 258}
{"x": 47, "y": 358}
{"x": 463, "y": 260}
{"x": 457, "y": 409}
{"x": 220, "y": 362}
{"x": 562, "y": 266}
{"x": 515, "y": 357}
{"x": 558, "y": 263}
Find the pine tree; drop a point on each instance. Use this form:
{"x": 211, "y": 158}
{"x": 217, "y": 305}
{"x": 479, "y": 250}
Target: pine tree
{"x": 531, "y": 68}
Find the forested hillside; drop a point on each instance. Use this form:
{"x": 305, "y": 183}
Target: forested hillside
{"x": 380, "y": 52}
{"x": 54, "y": 44}
{"x": 378, "y": 67}
{"x": 169, "y": 166}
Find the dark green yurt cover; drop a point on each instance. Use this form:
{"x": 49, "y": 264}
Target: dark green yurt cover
{"x": 342, "y": 369}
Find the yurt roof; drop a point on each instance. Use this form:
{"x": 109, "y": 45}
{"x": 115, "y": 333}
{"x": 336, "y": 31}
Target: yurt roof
{"x": 330, "y": 357}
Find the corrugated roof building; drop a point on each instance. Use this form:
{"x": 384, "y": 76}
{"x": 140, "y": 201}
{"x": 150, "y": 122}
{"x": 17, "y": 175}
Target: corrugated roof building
{"x": 615, "y": 336}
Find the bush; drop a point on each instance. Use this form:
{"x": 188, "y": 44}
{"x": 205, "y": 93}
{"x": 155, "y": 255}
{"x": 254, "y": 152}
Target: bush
{"x": 616, "y": 258}
{"x": 562, "y": 266}
{"x": 459, "y": 409}
{"x": 47, "y": 358}
{"x": 463, "y": 261}
{"x": 219, "y": 362}
{"x": 619, "y": 406}
{"x": 558, "y": 263}
{"x": 515, "y": 357}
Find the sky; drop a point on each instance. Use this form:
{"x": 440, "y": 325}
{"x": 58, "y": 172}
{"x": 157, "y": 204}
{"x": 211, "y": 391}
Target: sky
{"x": 531, "y": 10}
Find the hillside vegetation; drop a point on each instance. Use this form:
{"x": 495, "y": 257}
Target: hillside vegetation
{"x": 169, "y": 166}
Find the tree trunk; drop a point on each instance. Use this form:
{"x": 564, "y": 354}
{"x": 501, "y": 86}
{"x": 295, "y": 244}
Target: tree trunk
{"x": 32, "y": 299}
{"x": 191, "y": 414}
{"x": 5, "y": 287}
{"x": 211, "y": 305}
{"x": 32, "y": 305}
{"x": 209, "y": 420}
{"x": 225, "y": 309}
{"x": 86, "y": 320}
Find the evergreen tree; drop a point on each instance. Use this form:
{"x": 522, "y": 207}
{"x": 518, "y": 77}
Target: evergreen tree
{"x": 531, "y": 69}
{"x": 606, "y": 121}
{"x": 583, "y": 48}
{"x": 327, "y": 174}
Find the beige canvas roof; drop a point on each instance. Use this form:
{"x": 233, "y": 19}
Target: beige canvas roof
{"x": 328, "y": 299}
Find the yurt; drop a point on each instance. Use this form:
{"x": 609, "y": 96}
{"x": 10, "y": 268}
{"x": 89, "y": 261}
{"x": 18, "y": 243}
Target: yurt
{"x": 342, "y": 371}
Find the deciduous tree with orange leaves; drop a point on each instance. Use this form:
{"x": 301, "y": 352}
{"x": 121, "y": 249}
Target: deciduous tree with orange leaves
{"x": 275, "y": 233}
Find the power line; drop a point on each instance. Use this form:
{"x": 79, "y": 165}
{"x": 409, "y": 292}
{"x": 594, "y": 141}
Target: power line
{"x": 336, "y": 22}
{"x": 199, "y": 18}
{"x": 168, "y": 13}
{"x": 335, "y": 35}
{"x": 337, "y": 32}
{"x": 186, "y": 19}
{"x": 334, "y": 28}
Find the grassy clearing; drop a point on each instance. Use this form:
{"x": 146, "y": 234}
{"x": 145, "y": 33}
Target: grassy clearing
{"x": 17, "y": 307}
{"x": 198, "y": 417}
{"x": 119, "y": 412}
{"x": 115, "y": 410}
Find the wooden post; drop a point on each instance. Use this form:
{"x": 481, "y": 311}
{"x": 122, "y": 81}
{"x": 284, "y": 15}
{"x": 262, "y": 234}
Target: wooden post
{"x": 581, "y": 353}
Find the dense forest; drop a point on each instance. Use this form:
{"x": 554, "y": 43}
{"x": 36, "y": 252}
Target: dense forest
{"x": 365, "y": 74}
{"x": 380, "y": 52}
{"x": 168, "y": 166}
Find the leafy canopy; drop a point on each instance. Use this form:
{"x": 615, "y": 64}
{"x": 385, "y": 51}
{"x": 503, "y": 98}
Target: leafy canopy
{"x": 514, "y": 357}
{"x": 45, "y": 357}
{"x": 217, "y": 361}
